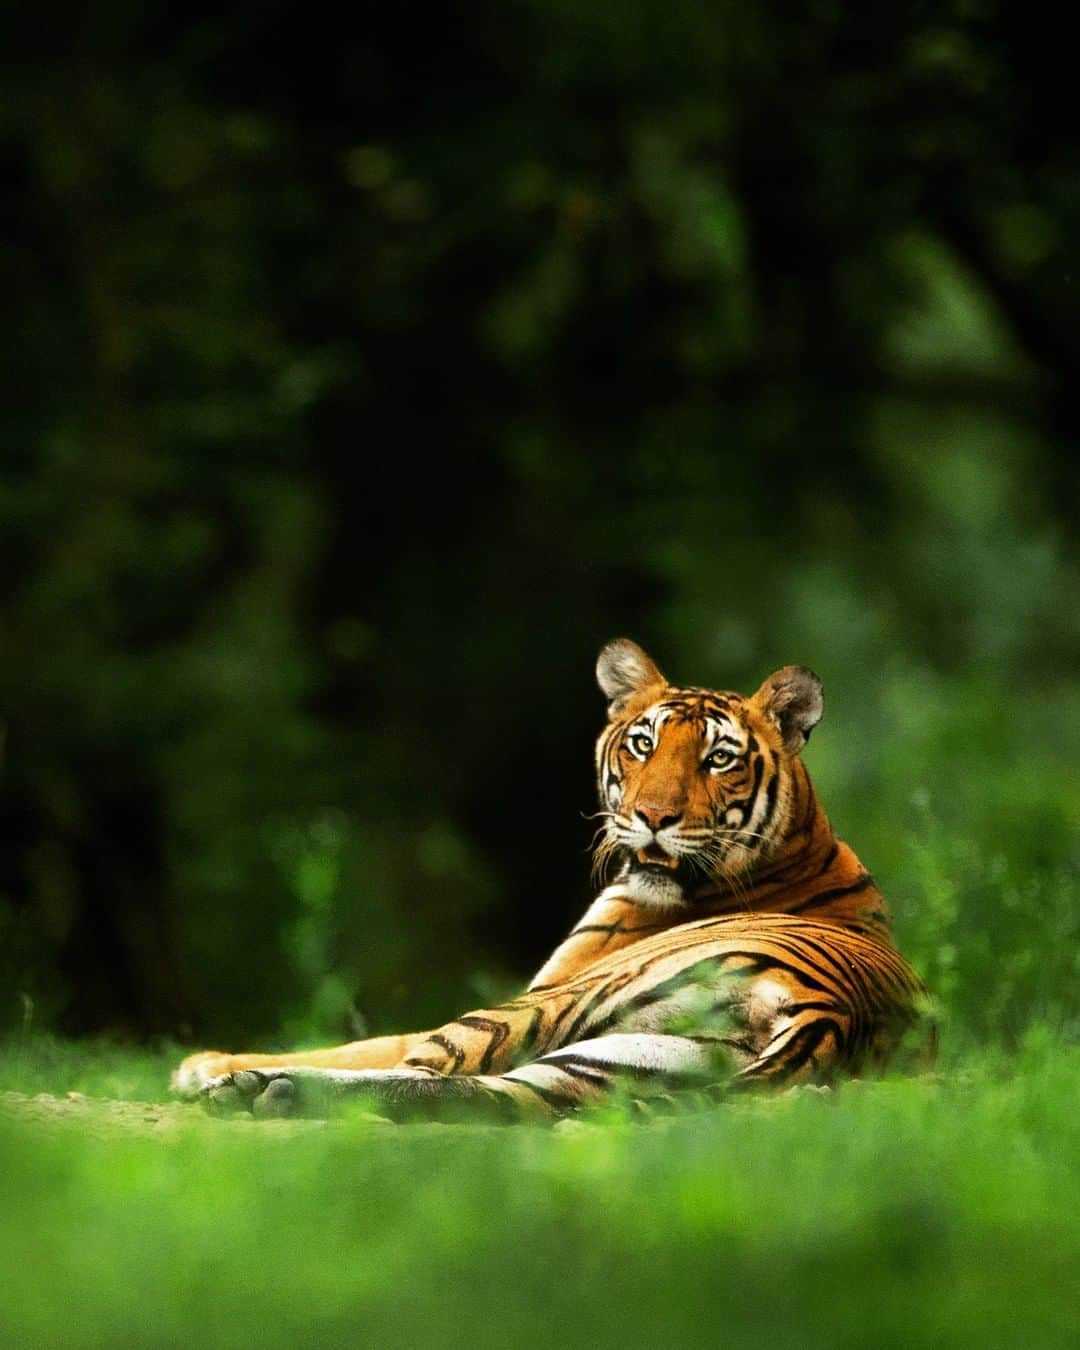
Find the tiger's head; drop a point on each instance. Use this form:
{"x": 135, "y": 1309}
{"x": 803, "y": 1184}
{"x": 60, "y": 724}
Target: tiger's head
{"x": 696, "y": 786}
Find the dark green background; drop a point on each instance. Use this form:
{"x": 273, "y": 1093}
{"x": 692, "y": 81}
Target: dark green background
{"x": 363, "y": 379}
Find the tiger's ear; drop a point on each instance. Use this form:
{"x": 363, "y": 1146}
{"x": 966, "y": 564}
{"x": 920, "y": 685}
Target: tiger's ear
{"x": 623, "y": 670}
{"x": 792, "y": 700}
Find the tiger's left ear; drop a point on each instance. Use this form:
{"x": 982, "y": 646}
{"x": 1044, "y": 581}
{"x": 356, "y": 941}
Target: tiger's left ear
{"x": 792, "y": 700}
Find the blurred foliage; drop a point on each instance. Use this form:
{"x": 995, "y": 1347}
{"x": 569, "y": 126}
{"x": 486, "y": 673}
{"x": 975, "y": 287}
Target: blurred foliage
{"x": 901, "y": 1214}
{"x": 362, "y": 383}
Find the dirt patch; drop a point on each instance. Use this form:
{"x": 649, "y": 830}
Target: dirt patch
{"x": 106, "y": 1116}
{"x": 110, "y": 1117}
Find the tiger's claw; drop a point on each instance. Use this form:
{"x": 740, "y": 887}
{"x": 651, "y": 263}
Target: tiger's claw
{"x": 266, "y": 1096}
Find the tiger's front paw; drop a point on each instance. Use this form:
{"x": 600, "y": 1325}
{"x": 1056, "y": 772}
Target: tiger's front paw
{"x": 267, "y": 1095}
{"x": 198, "y": 1070}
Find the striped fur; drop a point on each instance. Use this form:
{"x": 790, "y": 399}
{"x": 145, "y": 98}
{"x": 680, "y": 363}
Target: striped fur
{"x": 739, "y": 942}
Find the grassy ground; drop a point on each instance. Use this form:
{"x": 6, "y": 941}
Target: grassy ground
{"x": 902, "y": 1213}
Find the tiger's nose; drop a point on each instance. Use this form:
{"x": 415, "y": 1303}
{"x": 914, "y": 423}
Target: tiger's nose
{"x": 654, "y": 817}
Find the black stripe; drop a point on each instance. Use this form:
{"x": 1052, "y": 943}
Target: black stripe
{"x": 609, "y": 989}
{"x": 725, "y": 740}
{"x": 827, "y": 897}
{"x": 759, "y": 769}
{"x": 584, "y": 1070}
{"x": 823, "y": 957}
{"x": 498, "y": 1031}
{"x": 760, "y": 962}
{"x": 617, "y": 927}
{"x": 529, "y": 1039}
{"x": 848, "y": 988}
{"x": 811, "y": 801}
{"x": 672, "y": 985}
{"x": 770, "y": 800}
{"x": 572, "y": 1067}
{"x": 549, "y": 1098}
{"x": 793, "y": 1009}
{"x": 454, "y": 1051}
{"x": 567, "y": 1007}
{"x": 814, "y": 1035}
{"x": 791, "y": 1056}
{"x": 746, "y": 804}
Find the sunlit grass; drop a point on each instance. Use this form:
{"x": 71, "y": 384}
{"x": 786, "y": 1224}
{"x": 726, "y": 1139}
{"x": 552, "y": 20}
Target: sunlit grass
{"x": 907, "y": 1212}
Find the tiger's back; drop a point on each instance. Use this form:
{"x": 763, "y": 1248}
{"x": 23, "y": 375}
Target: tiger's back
{"x": 785, "y": 996}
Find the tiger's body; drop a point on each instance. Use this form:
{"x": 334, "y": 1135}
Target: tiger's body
{"x": 740, "y": 943}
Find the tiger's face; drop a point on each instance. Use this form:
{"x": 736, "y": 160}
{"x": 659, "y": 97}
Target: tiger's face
{"x": 695, "y": 785}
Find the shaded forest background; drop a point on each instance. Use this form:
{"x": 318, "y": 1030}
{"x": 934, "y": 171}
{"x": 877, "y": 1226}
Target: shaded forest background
{"x": 363, "y": 381}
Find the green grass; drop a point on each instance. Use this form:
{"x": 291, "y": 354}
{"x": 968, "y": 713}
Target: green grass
{"x": 903, "y": 1213}
{"x": 906, "y": 1212}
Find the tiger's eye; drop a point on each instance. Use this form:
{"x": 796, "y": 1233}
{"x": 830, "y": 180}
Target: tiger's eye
{"x": 641, "y": 744}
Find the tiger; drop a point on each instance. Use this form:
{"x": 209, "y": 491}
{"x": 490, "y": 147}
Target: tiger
{"x": 735, "y": 942}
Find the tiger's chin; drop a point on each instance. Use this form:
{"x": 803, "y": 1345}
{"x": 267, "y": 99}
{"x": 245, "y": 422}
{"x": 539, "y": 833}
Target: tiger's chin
{"x": 655, "y": 885}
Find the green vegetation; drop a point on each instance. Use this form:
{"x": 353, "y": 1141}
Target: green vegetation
{"x": 901, "y": 1213}
{"x": 361, "y": 383}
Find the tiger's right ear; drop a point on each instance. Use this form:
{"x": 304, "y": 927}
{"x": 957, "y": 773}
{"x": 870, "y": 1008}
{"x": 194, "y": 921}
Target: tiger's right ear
{"x": 623, "y": 670}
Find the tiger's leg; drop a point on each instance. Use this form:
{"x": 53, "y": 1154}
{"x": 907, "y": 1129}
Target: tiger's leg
{"x": 795, "y": 1042}
{"x": 578, "y": 1075}
{"x": 485, "y": 1041}
{"x": 379, "y": 1052}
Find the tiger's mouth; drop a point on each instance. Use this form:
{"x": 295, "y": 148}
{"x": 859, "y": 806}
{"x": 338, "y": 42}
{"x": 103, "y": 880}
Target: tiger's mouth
{"x": 655, "y": 857}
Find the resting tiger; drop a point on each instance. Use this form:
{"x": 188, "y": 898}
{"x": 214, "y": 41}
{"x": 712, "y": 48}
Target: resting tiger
{"x": 740, "y": 942}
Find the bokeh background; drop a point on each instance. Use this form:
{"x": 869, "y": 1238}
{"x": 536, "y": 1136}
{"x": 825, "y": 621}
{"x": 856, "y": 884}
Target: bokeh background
{"x": 363, "y": 380}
